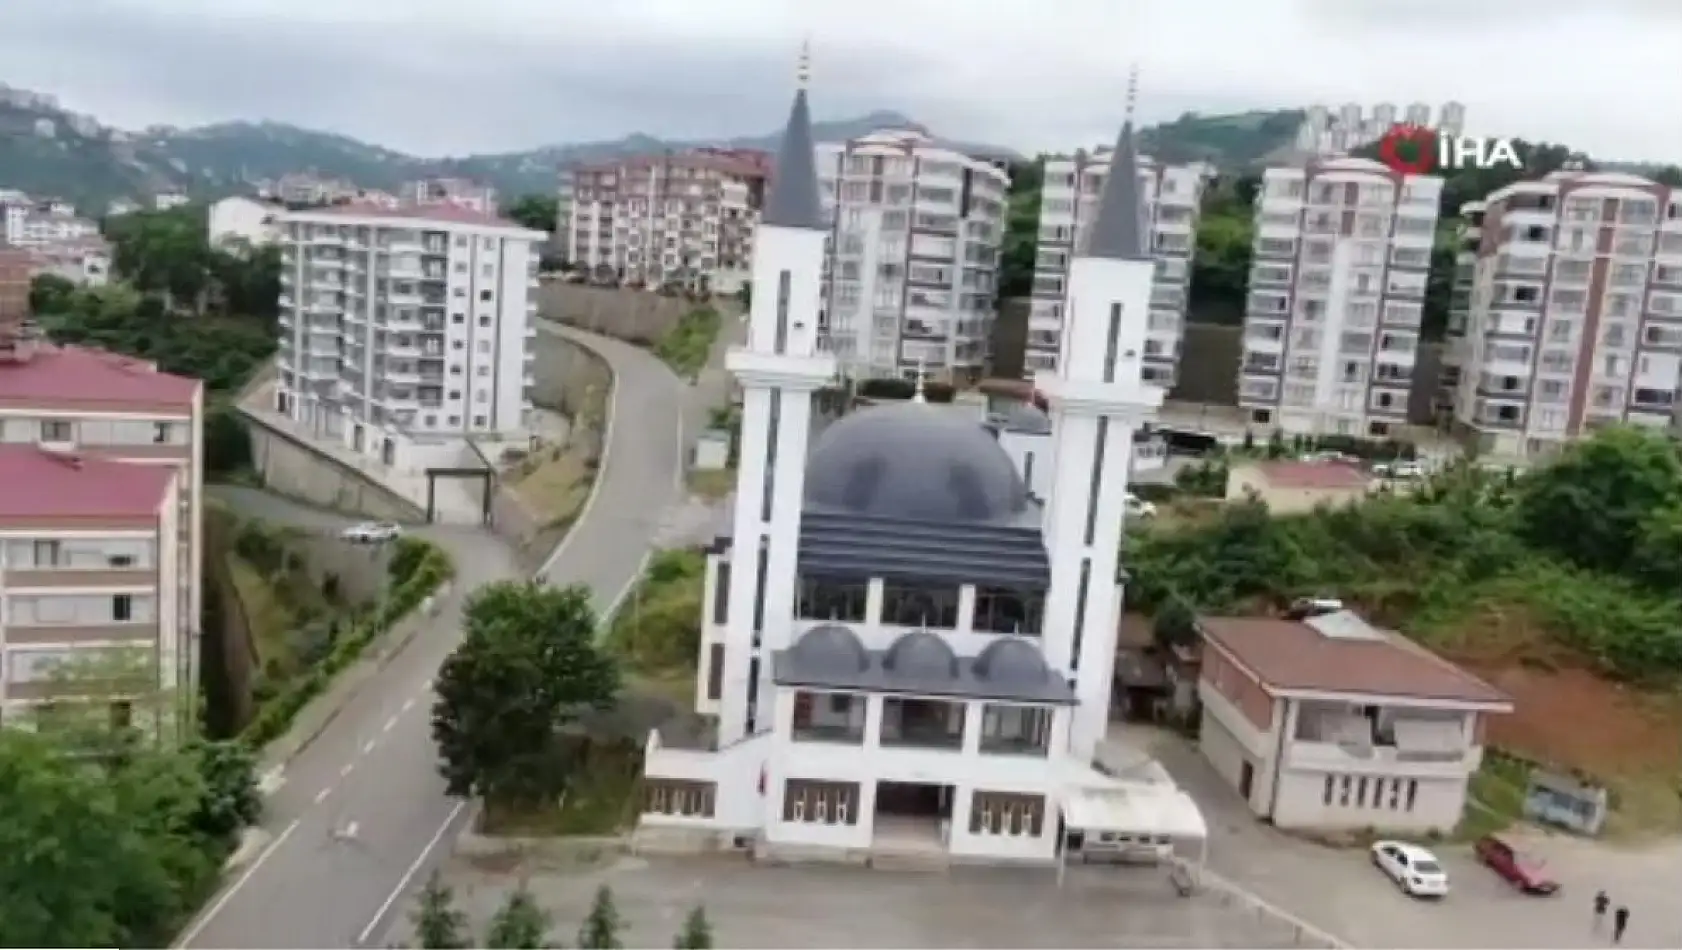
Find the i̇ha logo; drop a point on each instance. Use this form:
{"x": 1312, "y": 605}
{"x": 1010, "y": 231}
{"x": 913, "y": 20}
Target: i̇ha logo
{"x": 1419, "y": 150}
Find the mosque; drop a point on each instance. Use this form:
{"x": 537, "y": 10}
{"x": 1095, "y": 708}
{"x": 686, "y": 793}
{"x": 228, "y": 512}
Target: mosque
{"x": 904, "y": 650}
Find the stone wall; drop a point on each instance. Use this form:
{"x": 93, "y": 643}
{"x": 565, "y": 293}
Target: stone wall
{"x": 635, "y": 316}
{"x": 290, "y": 466}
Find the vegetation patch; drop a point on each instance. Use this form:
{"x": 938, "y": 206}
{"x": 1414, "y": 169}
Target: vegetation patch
{"x": 688, "y": 344}
{"x": 657, "y": 631}
{"x": 554, "y": 482}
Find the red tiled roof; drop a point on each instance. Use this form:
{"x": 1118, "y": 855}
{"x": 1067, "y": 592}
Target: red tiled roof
{"x": 71, "y": 374}
{"x": 443, "y": 211}
{"x": 1313, "y": 475}
{"x": 41, "y": 484}
{"x": 1291, "y": 655}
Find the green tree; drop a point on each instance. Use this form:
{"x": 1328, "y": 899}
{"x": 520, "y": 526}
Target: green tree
{"x": 49, "y": 293}
{"x": 526, "y": 669}
{"x": 1594, "y": 507}
{"x": 519, "y": 924}
{"x": 1022, "y": 227}
{"x": 1175, "y": 623}
{"x": 438, "y": 924}
{"x": 538, "y": 212}
{"x": 697, "y": 933}
{"x": 231, "y": 799}
{"x": 1220, "y": 267}
{"x": 602, "y": 927}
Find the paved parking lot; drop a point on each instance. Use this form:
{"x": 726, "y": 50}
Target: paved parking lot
{"x": 1341, "y": 892}
{"x": 833, "y": 906}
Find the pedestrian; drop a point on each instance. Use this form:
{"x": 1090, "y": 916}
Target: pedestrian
{"x": 1620, "y": 921}
{"x": 1601, "y": 902}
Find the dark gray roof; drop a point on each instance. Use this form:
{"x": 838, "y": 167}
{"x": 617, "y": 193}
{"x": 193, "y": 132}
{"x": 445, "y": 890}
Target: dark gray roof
{"x": 920, "y": 662}
{"x": 915, "y": 462}
{"x": 1119, "y": 232}
{"x": 791, "y": 200}
{"x": 854, "y": 546}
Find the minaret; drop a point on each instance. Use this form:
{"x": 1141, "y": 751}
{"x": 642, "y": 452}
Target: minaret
{"x": 1097, "y": 401}
{"x": 784, "y": 360}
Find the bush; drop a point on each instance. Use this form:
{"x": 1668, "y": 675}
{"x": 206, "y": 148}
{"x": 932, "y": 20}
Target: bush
{"x": 686, "y": 346}
{"x": 418, "y": 568}
{"x": 658, "y": 626}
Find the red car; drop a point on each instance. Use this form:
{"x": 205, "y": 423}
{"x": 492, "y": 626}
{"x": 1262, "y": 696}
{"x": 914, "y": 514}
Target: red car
{"x": 1521, "y": 870}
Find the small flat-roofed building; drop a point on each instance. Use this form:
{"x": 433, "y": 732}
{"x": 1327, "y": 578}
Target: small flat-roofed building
{"x": 1331, "y": 723}
{"x": 1289, "y": 487}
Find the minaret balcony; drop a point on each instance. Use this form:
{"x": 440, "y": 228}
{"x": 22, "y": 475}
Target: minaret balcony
{"x": 797, "y": 371}
{"x": 1128, "y": 398}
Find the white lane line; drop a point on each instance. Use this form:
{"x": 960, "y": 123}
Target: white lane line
{"x": 408, "y": 704}
{"x": 228, "y": 895}
{"x": 409, "y": 875}
{"x": 321, "y": 796}
{"x": 389, "y": 724}
{"x": 367, "y": 747}
{"x": 426, "y": 684}
{"x": 682, "y": 462}
{"x": 606, "y": 619}
{"x": 348, "y": 768}
{"x": 271, "y": 781}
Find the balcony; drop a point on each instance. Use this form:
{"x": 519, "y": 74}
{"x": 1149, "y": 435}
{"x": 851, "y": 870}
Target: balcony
{"x": 1016, "y": 730}
{"x": 1387, "y": 760}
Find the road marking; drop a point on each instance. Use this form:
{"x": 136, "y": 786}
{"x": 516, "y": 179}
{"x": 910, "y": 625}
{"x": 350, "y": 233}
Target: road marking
{"x": 408, "y": 704}
{"x": 602, "y": 470}
{"x": 228, "y": 895}
{"x": 389, "y": 724}
{"x": 348, "y": 768}
{"x": 367, "y": 747}
{"x": 350, "y": 829}
{"x": 321, "y": 796}
{"x": 618, "y": 600}
{"x": 271, "y": 781}
{"x": 682, "y": 463}
{"x": 409, "y": 875}
{"x": 426, "y": 684}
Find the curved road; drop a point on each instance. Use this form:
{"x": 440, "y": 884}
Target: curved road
{"x": 358, "y": 815}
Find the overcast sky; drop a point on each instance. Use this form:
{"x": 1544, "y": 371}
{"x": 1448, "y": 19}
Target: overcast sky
{"x": 454, "y": 76}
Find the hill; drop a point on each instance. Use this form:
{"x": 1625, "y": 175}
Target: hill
{"x": 49, "y": 152}
{"x": 1240, "y": 141}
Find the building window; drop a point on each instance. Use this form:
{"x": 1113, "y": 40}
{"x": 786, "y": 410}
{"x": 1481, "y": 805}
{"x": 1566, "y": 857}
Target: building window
{"x": 56, "y": 430}
{"x": 1002, "y": 610}
{"x": 48, "y": 553}
{"x": 160, "y": 433}
{"x": 910, "y": 606}
{"x": 828, "y": 717}
{"x": 689, "y": 799}
{"x": 821, "y": 803}
{"x": 1328, "y": 794}
{"x": 1413, "y": 793}
{"x": 823, "y": 598}
{"x": 1008, "y": 729}
{"x": 1006, "y": 813}
{"x": 1343, "y": 791}
{"x": 715, "y": 671}
{"x": 122, "y": 608}
{"x": 484, "y": 296}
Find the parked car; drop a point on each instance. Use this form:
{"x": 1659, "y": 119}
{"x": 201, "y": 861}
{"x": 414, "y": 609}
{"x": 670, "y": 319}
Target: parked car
{"x": 1415, "y": 870}
{"x": 1138, "y": 507}
{"x": 1523, "y": 871}
{"x": 371, "y": 532}
{"x": 1399, "y": 470}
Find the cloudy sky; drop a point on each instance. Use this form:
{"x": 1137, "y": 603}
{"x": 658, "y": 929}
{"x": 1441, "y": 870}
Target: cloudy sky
{"x": 453, "y": 76}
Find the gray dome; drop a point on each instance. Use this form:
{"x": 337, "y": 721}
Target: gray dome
{"x": 1027, "y": 418}
{"x": 832, "y": 648}
{"x": 922, "y": 656}
{"x": 1011, "y": 662}
{"x": 916, "y": 462}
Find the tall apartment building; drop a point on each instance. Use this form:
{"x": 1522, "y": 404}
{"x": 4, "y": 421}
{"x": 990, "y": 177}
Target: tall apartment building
{"x": 101, "y": 459}
{"x": 1326, "y": 133}
{"x": 1336, "y": 297}
{"x": 1574, "y": 319}
{"x": 1068, "y": 203}
{"x": 37, "y": 224}
{"x": 405, "y": 329}
{"x": 911, "y": 277}
{"x": 678, "y": 218}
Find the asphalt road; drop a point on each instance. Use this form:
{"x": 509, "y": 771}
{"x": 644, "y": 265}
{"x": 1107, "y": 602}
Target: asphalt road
{"x": 357, "y": 817}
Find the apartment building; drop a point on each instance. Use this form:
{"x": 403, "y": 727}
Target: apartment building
{"x": 1336, "y": 297}
{"x": 29, "y": 223}
{"x": 403, "y": 331}
{"x": 101, "y": 457}
{"x": 1574, "y": 316}
{"x": 1068, "y": 203}
{"x": 307, "y": 189}
{"x": 911, "y": 277}
{"x": 684, "y": 218}
{"x": 243, "y": 220}
{"x": 455, "y": 191}
{"x": 85, "y": 262}
{"x": 1327, "y": 132}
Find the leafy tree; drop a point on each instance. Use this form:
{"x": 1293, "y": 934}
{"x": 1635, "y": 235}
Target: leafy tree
{"x": 439, "y": 925}
{"x": 231, "y": 799}
{"x": 538, "y": 212}
{"x": 1594, "y": 506}
{"x": 49, "y": 293}
{"x": 602, "y": 927}
{"x": 697, "y": 933}
{"x": 526, "y": 669}
{"x": 1175, "y": 623}
{"x": 1022, "y": 226}
{"x": 520, "y": 924}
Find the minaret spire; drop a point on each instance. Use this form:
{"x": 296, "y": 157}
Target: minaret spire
{"x": 792, "y": 199}
{"x": 803, "y": 71}
{"x": 1120, "y": 232}
{"x": 1132, "y": 91}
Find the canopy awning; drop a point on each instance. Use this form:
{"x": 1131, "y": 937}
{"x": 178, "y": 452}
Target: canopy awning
{"x": 1135, "y": 808}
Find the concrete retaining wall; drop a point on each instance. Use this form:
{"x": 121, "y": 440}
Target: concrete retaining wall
{"x": 290, "y": 466}
{"x": 635, "y": 316}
